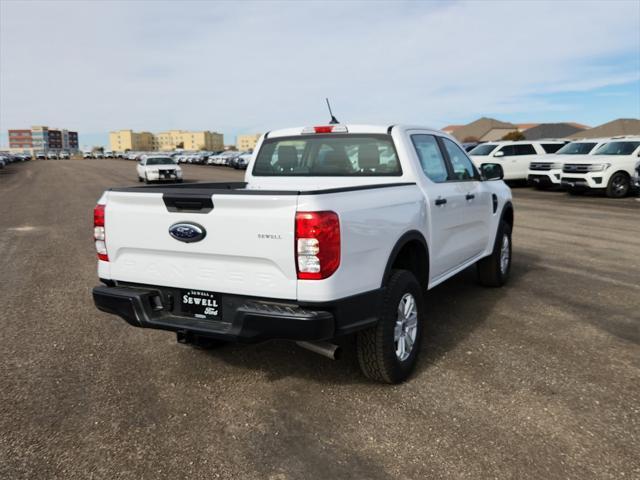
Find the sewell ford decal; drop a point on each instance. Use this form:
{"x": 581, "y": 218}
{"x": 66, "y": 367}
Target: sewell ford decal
{"x": 187, "y": 232}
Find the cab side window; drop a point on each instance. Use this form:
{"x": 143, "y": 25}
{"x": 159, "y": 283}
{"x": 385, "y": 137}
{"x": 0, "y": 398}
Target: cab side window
{"x": 430, "y": 156}
{"x": 462, "y": 167}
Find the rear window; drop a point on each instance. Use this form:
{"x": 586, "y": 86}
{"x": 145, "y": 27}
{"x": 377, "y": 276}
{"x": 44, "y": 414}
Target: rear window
{"x": 576, "y": 148}
{"x": 338, "y": 155}
{"x": 552, "y": 147}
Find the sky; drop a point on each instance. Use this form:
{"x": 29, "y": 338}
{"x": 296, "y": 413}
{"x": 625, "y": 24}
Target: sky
{"x": 244, "y": 67}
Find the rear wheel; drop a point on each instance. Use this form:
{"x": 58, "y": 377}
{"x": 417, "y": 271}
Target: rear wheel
{"x": 493, "y": 271}
{"x": 388, "y": 351}
{"x": 619, "y": 185}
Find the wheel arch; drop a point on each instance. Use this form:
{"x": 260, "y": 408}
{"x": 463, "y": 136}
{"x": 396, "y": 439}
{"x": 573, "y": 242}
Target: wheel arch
{"x": 507, "y": 214}
{"x": 411, "y": 252}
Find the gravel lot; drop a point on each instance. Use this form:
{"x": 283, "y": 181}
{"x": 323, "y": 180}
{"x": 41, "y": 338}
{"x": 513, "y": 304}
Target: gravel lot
{"x": 538, "y": 380}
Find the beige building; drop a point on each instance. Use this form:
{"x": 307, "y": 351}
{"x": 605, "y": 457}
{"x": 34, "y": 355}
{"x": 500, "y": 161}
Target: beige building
{"x": 123, "y": 140}
{"x": 247, "y": 142}
{"x": 140, "y": 141}
{"x": 188, "y": 140}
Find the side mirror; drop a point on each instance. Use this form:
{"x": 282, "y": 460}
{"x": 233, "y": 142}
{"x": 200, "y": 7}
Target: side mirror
{"x": 499, "y": 154}
{"x": 491, "y": 171}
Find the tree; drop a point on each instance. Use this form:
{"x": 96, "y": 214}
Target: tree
{"x": 180, "y": 145}
{"x": 515, "y": 135}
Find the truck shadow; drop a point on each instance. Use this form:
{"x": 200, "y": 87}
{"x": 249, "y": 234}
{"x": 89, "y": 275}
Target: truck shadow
{"x": 455, "y": 309}
{"x": 460, "y": 305}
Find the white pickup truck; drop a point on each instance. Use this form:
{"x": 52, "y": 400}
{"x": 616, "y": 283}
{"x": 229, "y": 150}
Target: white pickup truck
{"x": 337, "y": 230}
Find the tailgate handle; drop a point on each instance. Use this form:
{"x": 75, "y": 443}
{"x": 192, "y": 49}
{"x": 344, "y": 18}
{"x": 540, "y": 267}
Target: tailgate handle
{"x": 176, "y": 202}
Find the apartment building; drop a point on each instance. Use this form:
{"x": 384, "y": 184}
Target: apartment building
{"x": 247, "y": 142}
{"x": 20, "y": 139}
{"x": 123, "y": 140}
{"x": 43, "y": 138}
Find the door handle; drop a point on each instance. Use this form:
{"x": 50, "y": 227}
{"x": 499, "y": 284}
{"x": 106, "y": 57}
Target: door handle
{"x": 470, "y": 196}
{"x": 440, "y": 201}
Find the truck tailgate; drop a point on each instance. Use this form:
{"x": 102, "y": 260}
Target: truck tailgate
{"x": 248, "y": 248}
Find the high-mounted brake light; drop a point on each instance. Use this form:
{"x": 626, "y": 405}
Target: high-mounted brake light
{"x": 317, "y": 244}
{"x": 326, "y": 129}
{"x": 98, "y": 233}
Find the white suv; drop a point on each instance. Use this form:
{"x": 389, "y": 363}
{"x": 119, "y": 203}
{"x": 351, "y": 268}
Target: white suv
{"x": 610, "y": 168}
{"x": 514, "y": 157}
{"x": 546, "y": 170}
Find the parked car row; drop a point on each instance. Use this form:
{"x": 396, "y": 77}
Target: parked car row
{"x": 607, "y": 164}
{"x": 230, "y": 158}
{"x": 6, "y": 158}
{"x": 22, "y": 157}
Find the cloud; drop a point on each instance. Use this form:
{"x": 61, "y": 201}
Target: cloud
{"x": 98, "y": 66}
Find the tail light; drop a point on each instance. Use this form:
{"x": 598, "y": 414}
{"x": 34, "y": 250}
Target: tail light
{"x": 317, "y": 244}
{"x": 98, "y": 233}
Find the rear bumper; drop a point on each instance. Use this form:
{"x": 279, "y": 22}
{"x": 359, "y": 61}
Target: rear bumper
{"x": 245, "y": 319}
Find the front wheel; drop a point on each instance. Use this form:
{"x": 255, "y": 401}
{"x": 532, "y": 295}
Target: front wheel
{"x": 619, "y": 185}
{"x": 493, "y": 271}
{"x": 388, "y": 351}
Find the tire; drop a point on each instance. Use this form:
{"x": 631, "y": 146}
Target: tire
{"x": 378, "y": 346}
{"x": 146, "y": 180}
{"x": 492, "y": 272}
{"x": 619, "y": 185}
{"x": 140, "y": 179}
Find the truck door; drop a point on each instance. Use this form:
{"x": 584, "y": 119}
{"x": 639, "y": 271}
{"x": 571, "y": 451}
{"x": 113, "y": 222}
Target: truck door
{"x": 447, "y": 218}
{"x": 475, "y": 201}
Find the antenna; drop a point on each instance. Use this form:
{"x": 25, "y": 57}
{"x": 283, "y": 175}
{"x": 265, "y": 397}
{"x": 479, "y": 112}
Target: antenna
{"x": 334, "y": 120}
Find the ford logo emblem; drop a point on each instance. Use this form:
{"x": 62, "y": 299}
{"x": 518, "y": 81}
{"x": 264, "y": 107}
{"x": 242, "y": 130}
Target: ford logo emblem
{"x": 187, "y": 232}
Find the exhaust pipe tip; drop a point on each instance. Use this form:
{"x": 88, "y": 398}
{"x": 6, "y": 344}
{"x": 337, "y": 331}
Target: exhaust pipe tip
{"x": 326, "y": 349}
